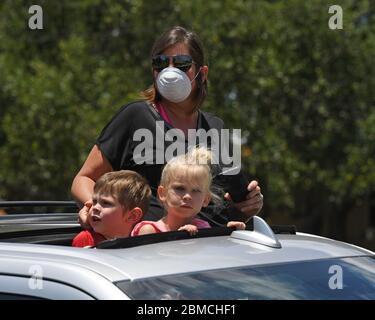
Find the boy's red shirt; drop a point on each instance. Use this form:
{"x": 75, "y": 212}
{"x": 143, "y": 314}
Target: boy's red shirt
{"x": 87, "y": 238}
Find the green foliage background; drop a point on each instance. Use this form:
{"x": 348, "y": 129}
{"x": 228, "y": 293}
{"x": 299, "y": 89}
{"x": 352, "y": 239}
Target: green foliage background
{"x": 303, "y": 94}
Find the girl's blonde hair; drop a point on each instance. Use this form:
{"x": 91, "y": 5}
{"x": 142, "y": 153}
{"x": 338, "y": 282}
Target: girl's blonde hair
{"x": 196, "y": 165}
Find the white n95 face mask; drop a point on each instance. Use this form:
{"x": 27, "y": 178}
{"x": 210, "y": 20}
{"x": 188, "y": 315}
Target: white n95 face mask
{"x": 173, "y": 84}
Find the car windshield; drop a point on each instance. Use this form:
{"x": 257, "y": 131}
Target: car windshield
{"x": 345, "y": 278}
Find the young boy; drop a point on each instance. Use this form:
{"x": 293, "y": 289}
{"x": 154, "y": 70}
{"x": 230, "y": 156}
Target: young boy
{"x": 119, "y": 201}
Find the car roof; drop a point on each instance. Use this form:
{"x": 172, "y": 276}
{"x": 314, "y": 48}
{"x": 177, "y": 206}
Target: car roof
{"x": 176, "y": 257}
{"x": 43, "y": 241}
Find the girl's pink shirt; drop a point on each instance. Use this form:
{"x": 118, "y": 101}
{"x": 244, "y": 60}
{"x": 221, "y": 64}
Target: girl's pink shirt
{"x": 160, "y": 226}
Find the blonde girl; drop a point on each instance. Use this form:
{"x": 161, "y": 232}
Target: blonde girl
{"x": 185, "y": 187}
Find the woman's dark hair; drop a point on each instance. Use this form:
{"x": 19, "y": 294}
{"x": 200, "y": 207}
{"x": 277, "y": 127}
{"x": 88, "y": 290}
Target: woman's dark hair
{"x": 170, "y": 38}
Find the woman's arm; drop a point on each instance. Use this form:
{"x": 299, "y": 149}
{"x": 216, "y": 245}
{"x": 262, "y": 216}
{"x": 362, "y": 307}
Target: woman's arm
{"x": 253, "y": 203}
{"x": 94, "y": 167}
{"x": 83, "y": 184}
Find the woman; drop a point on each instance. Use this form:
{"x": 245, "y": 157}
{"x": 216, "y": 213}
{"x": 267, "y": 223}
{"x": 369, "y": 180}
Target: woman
{"x": 172, "y": 102}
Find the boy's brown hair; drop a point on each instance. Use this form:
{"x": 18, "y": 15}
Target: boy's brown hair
{"x": 128, "y": 187}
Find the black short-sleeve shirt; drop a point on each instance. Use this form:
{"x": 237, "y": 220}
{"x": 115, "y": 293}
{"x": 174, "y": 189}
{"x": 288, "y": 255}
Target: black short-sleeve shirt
{"x": 118, "y": 142}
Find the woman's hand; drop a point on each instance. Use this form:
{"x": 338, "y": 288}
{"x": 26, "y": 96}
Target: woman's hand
{"x": 254, "y": 200}
{"x": 237, "y": 224}
{"x": 189, "y": 228}
{"x": 84, "y": 215}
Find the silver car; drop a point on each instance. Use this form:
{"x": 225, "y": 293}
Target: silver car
{"x": 37, "y": 262}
